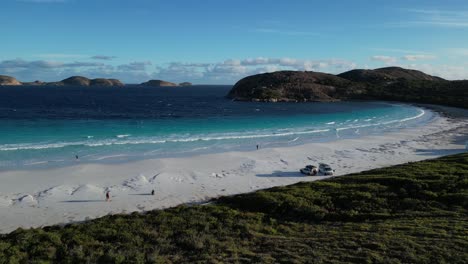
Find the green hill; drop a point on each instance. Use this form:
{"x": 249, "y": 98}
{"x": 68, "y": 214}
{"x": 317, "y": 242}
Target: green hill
{"x": 412, "y": 213}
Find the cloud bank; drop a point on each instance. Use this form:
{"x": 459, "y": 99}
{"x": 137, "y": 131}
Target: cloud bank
{"x": 228, "y": 71}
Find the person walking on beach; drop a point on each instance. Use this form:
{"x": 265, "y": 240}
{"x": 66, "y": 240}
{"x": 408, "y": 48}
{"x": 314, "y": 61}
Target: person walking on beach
{"x": 107, "y": 196}
{"x": 257, "y": 146}
{"x": 152, "y": 192}
{"x": 76, "y": 156}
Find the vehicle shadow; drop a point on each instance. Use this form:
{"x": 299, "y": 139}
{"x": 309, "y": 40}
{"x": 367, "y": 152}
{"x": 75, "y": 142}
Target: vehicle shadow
{"x": 282, "y": 174}
{"x": 82, "y": 201}
{"x": 441, "y": 152}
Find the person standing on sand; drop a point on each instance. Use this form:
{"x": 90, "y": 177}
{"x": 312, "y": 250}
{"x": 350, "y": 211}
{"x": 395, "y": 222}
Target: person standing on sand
{"x": 107, "y": 196}
{"x": 152, "y": 192}
{"x": 257, "y": 146}
{"x": 76, "y": 156}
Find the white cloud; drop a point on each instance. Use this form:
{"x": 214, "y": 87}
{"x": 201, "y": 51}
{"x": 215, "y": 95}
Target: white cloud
{"x": 400, "y": 51}
{"x": 103, "y": 57}
{"x": 435, "y": 18}
{"x": 38, "y": 64}
{"x": 386, "y": 59}
{"x": 61, "y": 56}
{"x": 134, "y": 66}
{"x": 225, "y": 72}
{"x": 458, "y": 51}
{"x": 449, "y": 72}
{"x": 418, "y": 57}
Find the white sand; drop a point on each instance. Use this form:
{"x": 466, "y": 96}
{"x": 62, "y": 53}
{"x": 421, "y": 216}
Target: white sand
{"x": 62, "y": 195}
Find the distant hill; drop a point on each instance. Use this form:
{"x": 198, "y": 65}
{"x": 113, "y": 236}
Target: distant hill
{"x": 8, "y": 80}
{"x": 386, "y": 74}
{"x": 391, "y": 83}
{"x": 158, "y": 83}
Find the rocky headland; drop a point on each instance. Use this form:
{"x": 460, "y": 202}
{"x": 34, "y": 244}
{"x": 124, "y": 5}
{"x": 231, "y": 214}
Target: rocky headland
{"x": 390, "y": 83}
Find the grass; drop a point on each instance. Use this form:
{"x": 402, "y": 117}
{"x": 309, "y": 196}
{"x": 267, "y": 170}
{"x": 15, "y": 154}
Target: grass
{"x": 412, "y": 213}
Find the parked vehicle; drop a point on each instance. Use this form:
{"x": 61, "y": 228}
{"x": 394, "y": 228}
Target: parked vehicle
{"x": 310, "y": 170}
{"x": 325, "y": 169}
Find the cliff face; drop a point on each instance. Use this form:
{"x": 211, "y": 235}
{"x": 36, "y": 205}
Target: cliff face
{"x": 158, "y": 83}
{"x": 291, "y": 86}
{"x": 8, "y": 80}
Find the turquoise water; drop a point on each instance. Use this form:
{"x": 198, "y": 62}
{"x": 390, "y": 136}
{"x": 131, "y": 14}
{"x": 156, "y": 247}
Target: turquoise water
{"x": 53, "y": 139}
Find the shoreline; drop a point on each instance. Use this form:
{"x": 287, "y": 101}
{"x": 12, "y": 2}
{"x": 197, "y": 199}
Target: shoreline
{"x": 34, "y": 198}
{"x": 322, "y": 135}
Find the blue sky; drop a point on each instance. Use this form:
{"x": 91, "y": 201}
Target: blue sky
{"x": 219, "y": 42}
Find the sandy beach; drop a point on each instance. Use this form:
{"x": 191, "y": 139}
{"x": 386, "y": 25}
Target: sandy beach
{"x": 34, "y": 198}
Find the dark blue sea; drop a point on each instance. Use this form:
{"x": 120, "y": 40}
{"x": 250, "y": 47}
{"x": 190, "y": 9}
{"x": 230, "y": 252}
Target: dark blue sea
{"x": 50, "y": 126}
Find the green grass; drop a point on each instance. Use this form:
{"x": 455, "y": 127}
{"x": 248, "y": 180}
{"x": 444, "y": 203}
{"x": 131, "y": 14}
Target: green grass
{"x": 412, "y": 213}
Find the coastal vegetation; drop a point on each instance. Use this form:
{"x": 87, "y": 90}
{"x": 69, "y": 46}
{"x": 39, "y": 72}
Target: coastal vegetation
{"x": 410, "y": 213}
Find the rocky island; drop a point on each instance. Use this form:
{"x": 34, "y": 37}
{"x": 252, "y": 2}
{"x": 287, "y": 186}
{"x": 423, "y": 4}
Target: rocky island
{"x": 71, "y": 81}
{"x": 185, "y": 84}
{"x": 390, "y": 83}
{"x": 158, "y": 83}
{"x": 8, "y": 80}
{"x": 83, "y": 81}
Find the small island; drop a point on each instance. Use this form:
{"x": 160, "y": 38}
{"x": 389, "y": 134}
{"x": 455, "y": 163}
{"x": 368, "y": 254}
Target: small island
{"x": 161, "y": 83}
{"x": 158, "y": 83}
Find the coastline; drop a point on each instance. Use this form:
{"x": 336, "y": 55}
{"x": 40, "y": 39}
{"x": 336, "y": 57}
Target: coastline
{"x": 33, "y": 198}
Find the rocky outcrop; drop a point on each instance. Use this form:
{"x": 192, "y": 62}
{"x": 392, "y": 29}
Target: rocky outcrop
{"x": 389, "y": 84}
{"x": 291, "y": 86}
{"x": 158, "y": 83}
{"x": 8, "y": 80}
{"x": 185, "y": 84}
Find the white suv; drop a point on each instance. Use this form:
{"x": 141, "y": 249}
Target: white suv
{"x": 325, "y": 169}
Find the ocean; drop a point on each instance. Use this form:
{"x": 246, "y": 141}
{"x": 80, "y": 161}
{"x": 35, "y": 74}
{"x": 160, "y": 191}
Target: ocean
{"x": 51, "y": 126}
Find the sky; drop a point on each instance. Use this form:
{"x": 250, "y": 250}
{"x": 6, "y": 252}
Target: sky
{"x": 220, "y": 41}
